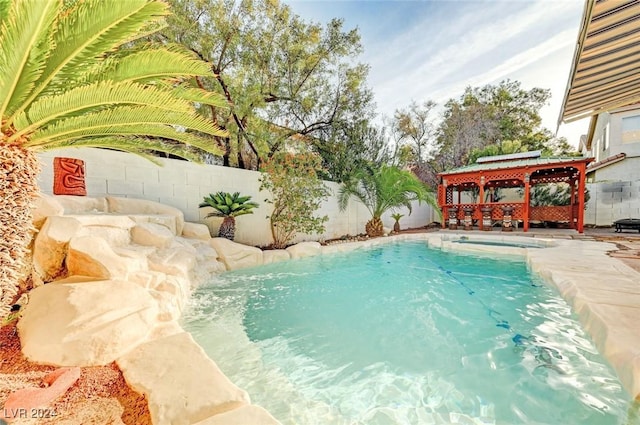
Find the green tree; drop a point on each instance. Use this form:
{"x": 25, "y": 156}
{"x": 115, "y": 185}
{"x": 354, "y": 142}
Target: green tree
{"x": 282, "y": 76}
{"x": 486, "y": 116}
{"x": 502, "y": 148}
{"x": 67, "y": 79}
{"x": 381, "y": 189}
{"x": 229, "y": 206}
{"x": 350, "y": 147}
{"x": 296, "y": 194}
{"x": 414, "y": 127}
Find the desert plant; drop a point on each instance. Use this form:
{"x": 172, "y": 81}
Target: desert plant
{"x": 228, "y": 206}
{"x": 382, "y": 189}
{"x": 296, "y": 195}
{"x": 69, "y": 77}
{"x": 396, "y": 225}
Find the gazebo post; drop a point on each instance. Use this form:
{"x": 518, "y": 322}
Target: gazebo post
{"x": 525, "y": 207}
{"x": 581, "y": 187}
{"x": 572, "y": 202}
{"x": 481, "y": 200}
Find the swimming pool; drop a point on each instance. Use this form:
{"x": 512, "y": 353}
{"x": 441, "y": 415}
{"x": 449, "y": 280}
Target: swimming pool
{"x": 404, "y": 334}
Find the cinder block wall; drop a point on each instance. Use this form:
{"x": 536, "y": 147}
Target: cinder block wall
{"x": 183, "y": 185}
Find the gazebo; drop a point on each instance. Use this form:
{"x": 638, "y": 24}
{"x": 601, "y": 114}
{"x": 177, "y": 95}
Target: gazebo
{"x": 522, "y": 170}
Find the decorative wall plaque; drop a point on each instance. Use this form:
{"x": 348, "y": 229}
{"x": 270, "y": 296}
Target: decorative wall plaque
{"x": 68, "y": 177}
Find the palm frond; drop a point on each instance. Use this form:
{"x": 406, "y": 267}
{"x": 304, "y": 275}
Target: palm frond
{"x": 25, "y": 40}
{"x": 156, "y": 131}
{"x": 149, "y": 65}
{"x": 121, "y": 120}
{"x": 4, "y": 10}
{"x": 89, "y": 30}
{"x": 98, "y": 95}
{"x": 137, "y": 145}
{"x": 201, "y": 96}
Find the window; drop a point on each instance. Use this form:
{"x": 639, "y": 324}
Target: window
{"x": 631, "y": 129}
{"x": 605, "y": 137}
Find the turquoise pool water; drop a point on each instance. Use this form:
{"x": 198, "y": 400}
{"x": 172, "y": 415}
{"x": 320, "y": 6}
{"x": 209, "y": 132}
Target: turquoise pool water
{"x": 405, "y": 334}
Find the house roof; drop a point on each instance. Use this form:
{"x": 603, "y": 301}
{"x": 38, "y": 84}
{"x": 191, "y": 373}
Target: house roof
{"x": 605, "y": 162}
{"x": 517, "y": 163}
{"x": 605, "y": 73}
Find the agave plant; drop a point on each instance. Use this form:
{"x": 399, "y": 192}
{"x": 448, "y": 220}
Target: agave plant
{"x": 228, "y": 206}
{"x": 69, "y": 77}
{"x": 383, "y": 189}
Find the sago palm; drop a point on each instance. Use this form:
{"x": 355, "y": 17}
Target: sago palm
{"x": 228, "y": 206}
{"x": 382, "y": 189}
{"x": 69, "y": 77}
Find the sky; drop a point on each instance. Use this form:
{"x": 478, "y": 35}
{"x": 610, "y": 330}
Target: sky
{"x": 434, "y": 49}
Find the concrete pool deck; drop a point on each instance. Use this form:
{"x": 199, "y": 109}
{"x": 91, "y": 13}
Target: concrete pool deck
{"x": 598, "y": 275}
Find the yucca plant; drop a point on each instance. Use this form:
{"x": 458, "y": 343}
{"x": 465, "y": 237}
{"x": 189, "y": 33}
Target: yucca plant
{"x": 70, "y": 77}
{"x": 228, "y": 206}
{"x": 383, "y": 189}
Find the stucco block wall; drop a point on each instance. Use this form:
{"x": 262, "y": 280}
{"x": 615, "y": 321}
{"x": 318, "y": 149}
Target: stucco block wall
{"x": 183, "y": 185}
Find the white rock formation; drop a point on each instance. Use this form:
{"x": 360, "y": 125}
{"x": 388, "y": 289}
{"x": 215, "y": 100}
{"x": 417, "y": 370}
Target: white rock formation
{"x": 85, "y": 323}
{"x": 131, "y": 265}
{"x": 304, "y": 249}
{"x": 196, "y": 231}
{"x": 236, "y": 256}
{"x": 181, "y": 383}
{"x": 275, "y": 256}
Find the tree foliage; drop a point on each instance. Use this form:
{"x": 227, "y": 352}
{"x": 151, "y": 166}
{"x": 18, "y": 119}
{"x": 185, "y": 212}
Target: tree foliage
{"x": 414, "y": 129}
{"x": 296, "y": 194}
{"x": 350, "y": 147}
{"x": 493, "y": 115}
{"x": 280, "y": 75}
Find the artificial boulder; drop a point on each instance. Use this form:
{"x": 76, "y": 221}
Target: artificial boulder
{"x": 85, "y": 324}
{"x": 305, "y": 249}
{"x": 235, "y": 255}
{"x": 182, "y": 385}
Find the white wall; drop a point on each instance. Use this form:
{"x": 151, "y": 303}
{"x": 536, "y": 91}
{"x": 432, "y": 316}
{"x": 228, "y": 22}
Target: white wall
{"x": 183, "y": 185}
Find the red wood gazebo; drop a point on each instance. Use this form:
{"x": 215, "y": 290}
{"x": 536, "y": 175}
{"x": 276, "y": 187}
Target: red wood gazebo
{"x": 522, "y": 170}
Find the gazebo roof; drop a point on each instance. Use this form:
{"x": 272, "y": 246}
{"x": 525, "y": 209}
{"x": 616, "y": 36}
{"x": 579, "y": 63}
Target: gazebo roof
{"x": 517, "y": 163}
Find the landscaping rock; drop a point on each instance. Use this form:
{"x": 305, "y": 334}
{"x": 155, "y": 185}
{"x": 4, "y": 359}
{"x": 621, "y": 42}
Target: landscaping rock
{"x": 196, "y": 231}
{"x": 142, "y": 206}
{"x": 92, "y": 256}
{"x": 50, "y": 248}
{"x": 85, "y": 324}
{"x": 115, "y": 229}
{"x": 254, "y": 415}
{"x": 237, "y": 256}
{"x": 82, "y": 204}
{"x": 305, "y": 249}
{"x": 182, "y": 385}
{"x": 45, "y": 206}
{"x": 150, "y": 234}
{"x": 275, "y": 256}
{"x": 176, "y": 260}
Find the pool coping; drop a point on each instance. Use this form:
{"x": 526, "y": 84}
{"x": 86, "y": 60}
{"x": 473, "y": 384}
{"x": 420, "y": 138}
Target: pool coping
{"x": 602, "y": 291}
